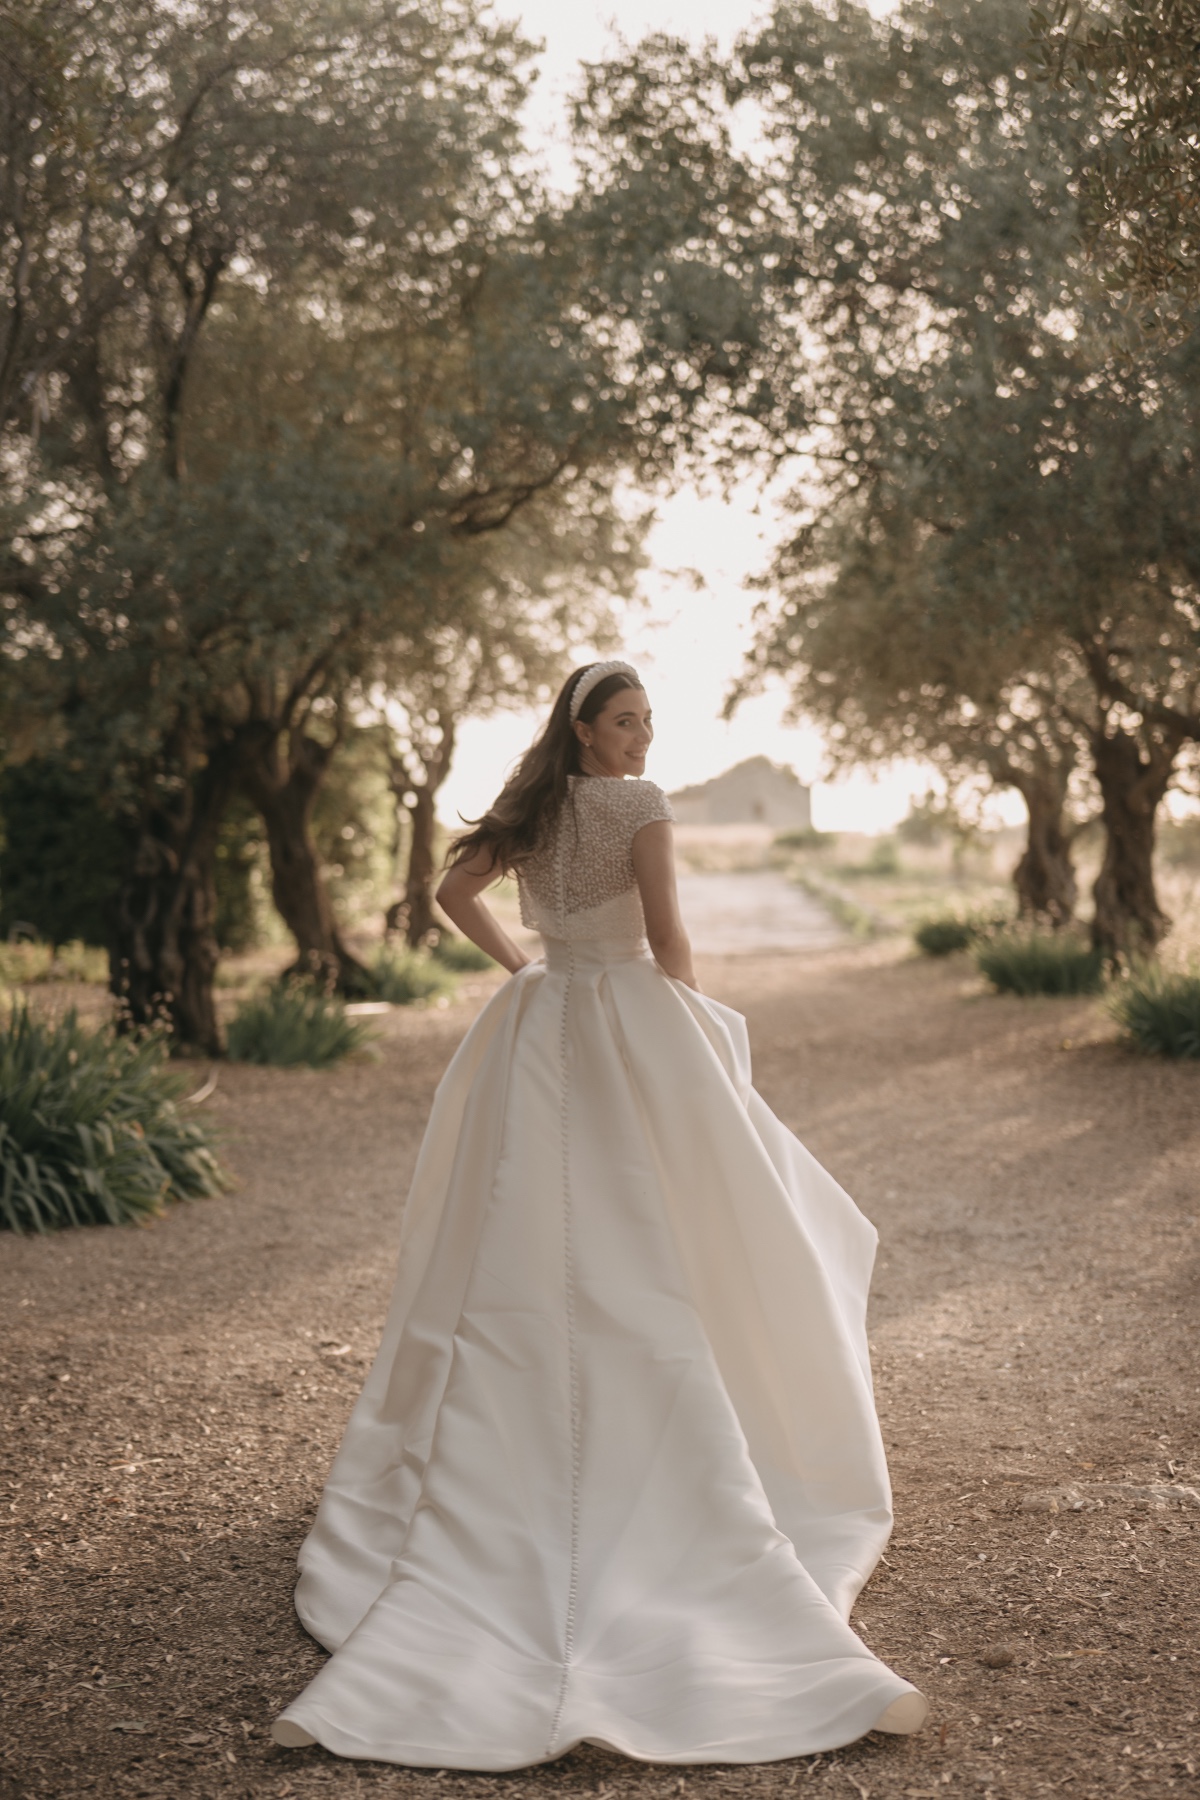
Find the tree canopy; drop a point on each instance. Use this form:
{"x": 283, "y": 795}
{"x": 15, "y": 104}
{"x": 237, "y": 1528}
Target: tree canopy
{"x": 316, "y": 407}
{"x": 291, "y": 334}
{"x": 1141, "y": 187}
{"x": 1000, "y": 555}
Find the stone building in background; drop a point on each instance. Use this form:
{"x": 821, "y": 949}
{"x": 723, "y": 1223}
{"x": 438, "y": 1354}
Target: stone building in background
{"x": 755, "y": 792}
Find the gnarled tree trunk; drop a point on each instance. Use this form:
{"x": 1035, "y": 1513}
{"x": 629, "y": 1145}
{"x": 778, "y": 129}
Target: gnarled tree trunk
{"x": 164, "y": 951}
{"x": 414, "y": 913}
{"x": 1133, "y": 776}
{"x": 284, "y": 788}
{"x": 1044, "y": 878}
{"x": 417, "y": 905}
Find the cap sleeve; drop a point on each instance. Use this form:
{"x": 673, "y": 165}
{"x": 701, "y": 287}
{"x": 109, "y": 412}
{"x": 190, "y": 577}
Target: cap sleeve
{"x": 644, "y": 803}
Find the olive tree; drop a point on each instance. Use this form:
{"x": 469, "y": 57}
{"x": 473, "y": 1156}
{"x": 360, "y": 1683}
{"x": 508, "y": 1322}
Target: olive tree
{"x": 304, "y": 339}
{"x": 855, "y": 628}
{"x": 1141, "y": 183}
{"x": 966, "y": 392}
{"x": 173, "y": 172}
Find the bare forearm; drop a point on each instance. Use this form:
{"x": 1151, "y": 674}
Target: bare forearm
{"x": 475, "y": 921}
{"x": 673, "y": 954}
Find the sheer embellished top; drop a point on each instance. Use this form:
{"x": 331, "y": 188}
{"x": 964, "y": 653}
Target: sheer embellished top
{"x": 580, "y": 883}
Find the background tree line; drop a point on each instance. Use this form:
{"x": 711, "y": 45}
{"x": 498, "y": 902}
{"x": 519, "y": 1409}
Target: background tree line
{"x": 318, "y": 411}
{"x": 999, "y": 569}
{"x": 976, "y": 291}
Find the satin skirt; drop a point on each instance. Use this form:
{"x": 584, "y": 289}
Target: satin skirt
{"x": 616, "y": 1474}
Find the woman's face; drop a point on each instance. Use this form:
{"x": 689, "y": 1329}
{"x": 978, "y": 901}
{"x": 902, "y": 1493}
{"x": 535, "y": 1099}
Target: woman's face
{"x": 618, "y": 738}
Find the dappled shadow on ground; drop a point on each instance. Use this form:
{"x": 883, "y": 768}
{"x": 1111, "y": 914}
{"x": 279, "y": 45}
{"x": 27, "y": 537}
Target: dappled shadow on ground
{"x": 175, "y": 1395}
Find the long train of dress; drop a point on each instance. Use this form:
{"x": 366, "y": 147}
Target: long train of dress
{"x": 615, "y": 1475}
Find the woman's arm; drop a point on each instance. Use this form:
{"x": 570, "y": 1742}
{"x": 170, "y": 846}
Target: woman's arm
{"x": 459, "y": 897}
{"x": 654, "y": 866}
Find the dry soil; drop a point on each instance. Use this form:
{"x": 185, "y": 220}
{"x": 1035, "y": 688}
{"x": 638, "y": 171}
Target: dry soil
{"x": 173, "y": 1398}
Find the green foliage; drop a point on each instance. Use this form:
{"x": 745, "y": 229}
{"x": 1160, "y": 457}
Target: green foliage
{"x": 404, "y": 977}
{"x": 882, "y": 859}
{"x": 91, "y": 1132}
{"x": 131, "y": 128}
{"x": 1159, "y": 1010}
{"x": 79, "y": 962}
{"x": 61, "y": 860}
{"x": 859, "y": 921}
{"x": 1141, "y": 182}
{"x": 806, "y": 837}
{"x": 981, "y": 580}
{"x": 381, "y": 354}
{"x": 925, "y": 823}
{"x": 934, "y": 817}
{"x": 1028, "y": 963}
{"x": 240, "y": 872}
{"x": 24, "y": 963}
{"x": 292, "y": 1023}
{"x": 944, "y": 936}
{"x": 461, "y": 955}
{"x": 941, "y": 934}
{"x": 354, "y": 826}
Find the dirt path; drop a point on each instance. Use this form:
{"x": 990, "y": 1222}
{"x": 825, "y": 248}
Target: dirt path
{"x": 761, "y": 908}
{"x": 173, "y": 1398}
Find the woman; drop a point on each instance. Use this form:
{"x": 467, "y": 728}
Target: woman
{"x": 616, "y": 1474}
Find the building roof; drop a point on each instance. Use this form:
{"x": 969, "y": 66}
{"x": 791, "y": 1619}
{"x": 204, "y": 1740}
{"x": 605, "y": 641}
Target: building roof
{"x": 754, "y": 766}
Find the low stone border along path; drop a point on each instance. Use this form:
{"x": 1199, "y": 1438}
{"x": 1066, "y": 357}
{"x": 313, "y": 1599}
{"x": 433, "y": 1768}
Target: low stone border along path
{"x": 173, "y": 1398}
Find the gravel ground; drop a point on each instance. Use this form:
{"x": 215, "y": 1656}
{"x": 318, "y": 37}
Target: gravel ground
{"x": 173, "y": 1397}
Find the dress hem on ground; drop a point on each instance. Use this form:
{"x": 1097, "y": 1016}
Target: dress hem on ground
{"x": 616, "y": 1475}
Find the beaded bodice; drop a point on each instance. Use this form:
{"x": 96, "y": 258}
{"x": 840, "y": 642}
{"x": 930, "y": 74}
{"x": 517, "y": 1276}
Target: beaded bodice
{"x": 580, "y": 883}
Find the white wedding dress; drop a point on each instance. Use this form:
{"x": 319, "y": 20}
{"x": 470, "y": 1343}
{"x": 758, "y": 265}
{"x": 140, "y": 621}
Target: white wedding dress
{"x": 616, "y": 1474}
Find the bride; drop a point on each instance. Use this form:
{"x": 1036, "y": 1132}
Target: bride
{"x": 615, "y": 1476}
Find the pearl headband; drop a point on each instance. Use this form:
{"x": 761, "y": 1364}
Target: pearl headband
{"x": 592, "y": 677}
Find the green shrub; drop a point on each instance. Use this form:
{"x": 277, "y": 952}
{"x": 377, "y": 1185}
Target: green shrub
{"x": 79, "y": 962}
{"x": 884, "y": 858}
{"x": 805, "y": 837}
{"x": 90, "y": 1129}
{"x": 1159, "y": 1010}
{"x": 1033, "y": 962}
{"x": 461, "y": 955}
{"x": 292, "y": 1023}
{"x": 405, "y": 976}
{"x": 943, "y": 936}
{"x": 25, "y": 963}
{"x": 945, "y": 933}
{"x": 62, "y": 859}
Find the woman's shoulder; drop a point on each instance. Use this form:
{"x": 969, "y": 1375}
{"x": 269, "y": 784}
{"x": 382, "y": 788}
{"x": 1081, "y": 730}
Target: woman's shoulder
{"x": 636, "y": 800}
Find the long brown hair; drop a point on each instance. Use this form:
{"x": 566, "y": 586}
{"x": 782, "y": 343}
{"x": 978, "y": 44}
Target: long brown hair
{"x": 528, "y": 804}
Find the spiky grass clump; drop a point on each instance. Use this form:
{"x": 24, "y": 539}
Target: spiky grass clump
{"x": 1035, "y": 962}
{"x": 405, "y": 977}
{"x": 1159, "y": 1010}
{"x": 294, "y": 1023}
{"x": 461, "y": 955}
{"x": 90, "y": 1128}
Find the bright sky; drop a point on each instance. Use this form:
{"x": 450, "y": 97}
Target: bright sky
{"x": 688, "y": 645}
